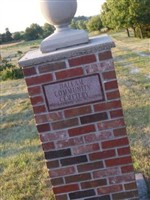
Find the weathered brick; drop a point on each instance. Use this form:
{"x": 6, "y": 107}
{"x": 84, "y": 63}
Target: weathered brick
{"x": 77, "y": 111}
{"x": 43, "y": 128}
{"x": 29, "y": 71}
{"x": 82, "y": 60}
{"x": 48, "y": 146}
{"x": 45, "y": 137}
{"x": 111, "y": 85}
{"x": 121, "y": 179}
{"x": 105, "y": 197}
{"x": 109, "y": 75}
{"x": 109, "y": 189}
{"x": 73, "y": 160}
{"x": 115, "y": 143}
{"x": 103, "y": 135}
{"x": 130, "y": 186}
{"x": 81, "y": 130}
{"x": 107, "y": 106}
{"x": 94, "y": 183}
{"x": 102, "y": 155}
{"x": 69, "y": 142}
{"x": 69, "y": 73}
{"x": 106, "y": 172}
{"x": 116, "y": 113}
{"x": 55, "y": 116}
{"x": 125, "y": 195}
{"x": 41, "y": 119}
{"x": 57, "y": 154}
{"x": 90, "y": 166}
{"x": 127, "y": 169}
{"x": 57, "y": 181}
{"x": 39, "y": 109}
{"x": 61, "y": 197}
{"x": 52, "y": 164}
{"x": 118, "y": 161}
{"x": 65, "y": 188}
{"x": 52, "y": 67}
{"x": 39, "y": 79}
{"x": 113, "y": 95}
{"x": 120, "y": 132}
{"x": 34, "y": 90}
{"x": 78, "y": 178}
{"x": 82, "y": 194}
{"x": 65, "y": 124}
{"x": 94, "y": 118}
{"x": 37, "y": 100}
{"x": 78, "y": 150}
{"x": 111, "y": 124}
{"x": 123, "y": 151}
{"x": 62, "y": 172}
{"x": 105, "y": 55}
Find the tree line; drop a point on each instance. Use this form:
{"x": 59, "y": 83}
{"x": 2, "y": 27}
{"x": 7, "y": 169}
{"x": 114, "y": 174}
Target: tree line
{"x": 115, "y": 15}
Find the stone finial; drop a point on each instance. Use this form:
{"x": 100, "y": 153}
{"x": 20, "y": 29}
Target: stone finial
{"x": 60, "y": 13}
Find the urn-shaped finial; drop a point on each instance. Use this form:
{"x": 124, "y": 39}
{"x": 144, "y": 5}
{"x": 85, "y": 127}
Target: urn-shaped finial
{"x": 60, "y": 13}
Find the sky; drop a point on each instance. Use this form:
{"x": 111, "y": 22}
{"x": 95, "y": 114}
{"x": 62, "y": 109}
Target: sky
{"x": 19, "y": 14}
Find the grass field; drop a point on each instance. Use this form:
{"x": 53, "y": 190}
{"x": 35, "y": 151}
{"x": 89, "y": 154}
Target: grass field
{"x": 22, "y": 168}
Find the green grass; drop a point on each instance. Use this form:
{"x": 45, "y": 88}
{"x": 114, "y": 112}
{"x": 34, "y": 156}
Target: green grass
{"x": 22, "y": 168}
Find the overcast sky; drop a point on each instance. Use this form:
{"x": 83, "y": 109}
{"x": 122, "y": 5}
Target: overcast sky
{"x": 19, "y": 14}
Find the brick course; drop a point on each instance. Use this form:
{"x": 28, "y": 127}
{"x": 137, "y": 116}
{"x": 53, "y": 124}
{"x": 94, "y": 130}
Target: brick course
{"x": 86, "y": 147}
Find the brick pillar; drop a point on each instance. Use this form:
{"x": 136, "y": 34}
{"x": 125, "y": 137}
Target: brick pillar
{"x": 79, "y": 118}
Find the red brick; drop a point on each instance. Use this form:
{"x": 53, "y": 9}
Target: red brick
{"x": 48, "y": 146}
{"x": 105, "y": 55}
{"x": 54, "y": 136}
{"x": 111, "y": 85}
{"x": 29, "y": 71}
{"x": 122, "y": 179}
{"x": 74, "y": 160}
{"x": 52, "y": 67}
{"x": 34, "y": 90}
{"x": 94, "y": 118}
{"x": 103, "y": 135}
{"x": 39, "y": 109}
{"x": 55, "y": 116}
{"x": 52, "y": 164}
{"x": 77, "y": 111}
{"x": 78, "y": 150}
{"x": 81, "y": 130}
{"x": 62, "y": 172}
{"x": 65, "y": 189}
{"x": 127, "y": 169}
{"x": 113, "y": 95}
{"x": 57, "y": 181}
{"x": 69, "y": 142}
{"x": 109, "y": 75}
{"x": 90, "y": 166}
{"x": 43, "y": 128}
{"x": 107, "y": 106}
{"x": 118, "y": 161}
{"x": 120, "y": 132}
{"x": 123, "y": 151}
{"x": 102, "y": 155}
{"x": 69, "y": 73}
{"x": 93, "y": 184}
{"x": 116, "y": 113}
{"x": 109, "y": 189}
{"x": 111, "y": 124}
{"x": 78, "y": 178}
{"x": 106, "y": 172}
{"x": 40, "y": 119}
{"x": 115, "y": 143}
{"x": 125, "y": 195}
{"x": 65, "y": 124}
{"x": 82, "y": 60}
{"x": 39, "y": 79}
{"x": 37, "y": 100}
{"x": 130, "y": 186}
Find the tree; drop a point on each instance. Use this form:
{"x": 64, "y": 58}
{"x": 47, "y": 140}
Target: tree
{"x": 33, "y": 32}
{"x": 17, "y": 36}
{"x": 47, "y": 30}
{"x": 94, "y": 24}
{"x": 8, "y": 35}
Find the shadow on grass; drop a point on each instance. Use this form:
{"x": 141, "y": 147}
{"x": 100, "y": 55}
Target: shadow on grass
{"x": 14, "y": 96}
